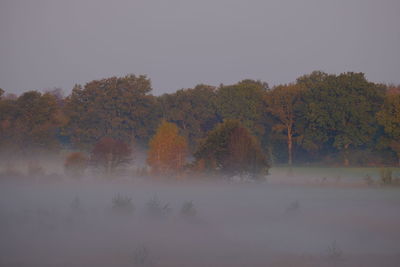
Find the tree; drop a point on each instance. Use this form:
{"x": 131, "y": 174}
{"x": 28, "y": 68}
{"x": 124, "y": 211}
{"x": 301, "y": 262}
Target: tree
{"x": 117, "y": 107}
{"x": 389, "y": 118}
{"x": 194, "y": 111}
{"x": 232, "y": 150}
{"x": 283, "y": 102}
{"x": 167, "y": 150}
{"x": 339, "y": 111}
{"x": 244, "y": 101}
{"x": 31, "y": 122}
{"x": 109, "y": 154}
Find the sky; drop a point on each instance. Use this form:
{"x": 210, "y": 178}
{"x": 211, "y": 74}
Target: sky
{"x": 181, "y": 43}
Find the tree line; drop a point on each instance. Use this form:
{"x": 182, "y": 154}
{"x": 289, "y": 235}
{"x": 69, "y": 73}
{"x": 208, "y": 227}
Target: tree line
{"x": 318, "y": 119}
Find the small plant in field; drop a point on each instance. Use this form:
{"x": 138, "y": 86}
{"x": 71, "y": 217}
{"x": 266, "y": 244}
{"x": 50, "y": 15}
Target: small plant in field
{"x": 386, "y": 176}
{"x": 334, "y": 254}
{"x": 142, "y": 257}
{"x": 122, "y": 204}
{"x": 156, "y": 208}
{"x": 188, "y": 209}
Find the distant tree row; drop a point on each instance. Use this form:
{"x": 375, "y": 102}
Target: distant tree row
{"x": 320, "y": 118}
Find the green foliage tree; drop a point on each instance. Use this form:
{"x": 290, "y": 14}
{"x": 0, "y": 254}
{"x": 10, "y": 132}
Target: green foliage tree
{"x": 232, "y": 150}
{"x": 194, "y": 111}
{"x": 389, "y": 118}
{"x": 167, "y": 150}
{"x": 339, "y": 111}
{"x": 117, "y": 107}
{"x": 244, "y": 101}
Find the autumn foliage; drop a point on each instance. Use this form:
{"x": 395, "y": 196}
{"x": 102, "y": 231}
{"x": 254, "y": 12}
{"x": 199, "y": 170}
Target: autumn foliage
{"x": 108, "y": 154}
{"x": 168, "y": 150}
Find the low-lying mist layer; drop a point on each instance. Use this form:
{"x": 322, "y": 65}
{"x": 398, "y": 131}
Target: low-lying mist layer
{"x": 119, "y": 223}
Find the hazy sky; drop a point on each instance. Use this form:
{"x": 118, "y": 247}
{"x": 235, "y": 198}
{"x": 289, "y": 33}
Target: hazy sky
{"x": 180, "y": 43}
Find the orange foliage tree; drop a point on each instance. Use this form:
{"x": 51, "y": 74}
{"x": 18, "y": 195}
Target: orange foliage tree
{"x": 109, "y": 154}
{"x": 168, "y": 150}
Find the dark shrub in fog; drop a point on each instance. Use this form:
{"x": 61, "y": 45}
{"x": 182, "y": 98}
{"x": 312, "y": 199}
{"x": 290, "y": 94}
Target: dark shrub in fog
{"x": 122, "y": 204}
{"x": 155, "y": 208}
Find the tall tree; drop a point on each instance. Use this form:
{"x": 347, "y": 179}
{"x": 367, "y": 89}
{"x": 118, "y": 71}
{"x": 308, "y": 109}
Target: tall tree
{"x": 283, "y": 102}
{"x": 194, "y": 111}
{"x": 117, "y": 107}
{"x": 244, "y": 101}
{"x": 389, "y": 118}
{"x": 31, "y": 122}
{"x": 167, "y": 150}
{"x": 340, "y": 110}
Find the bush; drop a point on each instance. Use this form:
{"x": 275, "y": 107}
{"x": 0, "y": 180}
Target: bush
{"x": 334, "y": 254}
{"x": 122, "y": 204}
{"x": 188, "y": 209}
{"x": 156, "y": 208}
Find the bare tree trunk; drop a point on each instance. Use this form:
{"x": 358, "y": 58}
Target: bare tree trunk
{"x": 398, "y": 159}
{"x": 346, "y": 155}
{"x": 289, "y": 141}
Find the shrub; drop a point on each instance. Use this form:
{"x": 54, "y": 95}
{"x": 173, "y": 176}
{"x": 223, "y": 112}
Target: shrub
{"x": 122, "y": 204}
{"x": 334, "y": 254}
{"x": 188, "y": 209}
{"x": 156, "y": 208}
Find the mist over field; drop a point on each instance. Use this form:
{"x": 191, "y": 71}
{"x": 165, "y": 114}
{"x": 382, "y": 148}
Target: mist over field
{"x": 199, "y": 133}
{"x": 133, "y": 221}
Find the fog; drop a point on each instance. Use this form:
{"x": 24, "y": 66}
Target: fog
{"x": 133, "y": 221}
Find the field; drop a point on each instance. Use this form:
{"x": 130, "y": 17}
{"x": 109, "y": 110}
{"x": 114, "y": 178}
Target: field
{"x": 294, "y": 219}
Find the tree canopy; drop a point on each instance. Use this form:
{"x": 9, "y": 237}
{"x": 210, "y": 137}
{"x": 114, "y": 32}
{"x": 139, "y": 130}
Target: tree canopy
{"x": 319, "y": 118}
{"x": 231, "y": 149}
{"x": 167, "y": 150}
